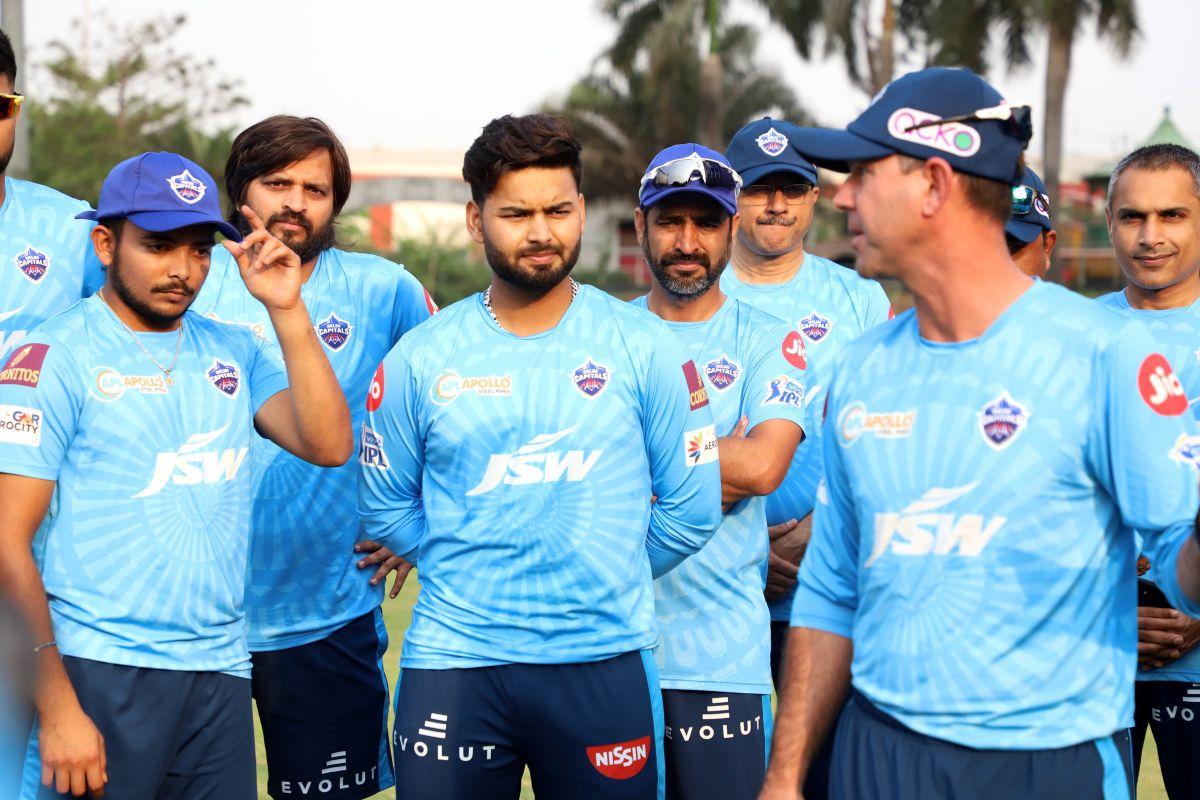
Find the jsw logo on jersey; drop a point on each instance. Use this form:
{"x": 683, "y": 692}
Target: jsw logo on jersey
{"x": 919, "y": 531}
{"x": 191, "y": 464}
{"x": 532, "y": 464}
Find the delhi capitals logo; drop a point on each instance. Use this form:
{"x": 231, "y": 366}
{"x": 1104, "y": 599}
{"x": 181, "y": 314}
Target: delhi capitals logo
{"x": 334, "y": 332}
{"x": 187, "y": 188}
{"x": 772, "y": 142}
{"x": 225, "y": 377}
{"x": 32, "y": 263}
{"x": 814, "y": 326}
{"x": 722, "y": 372}
{"x": 1001, "y": 420}
{"x": 591, "y": 378}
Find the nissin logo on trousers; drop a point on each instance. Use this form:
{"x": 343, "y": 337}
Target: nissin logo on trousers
{"x": 622, "y": 760}
{"x": 531, "y": 464}
{"x": 918, "y": 531}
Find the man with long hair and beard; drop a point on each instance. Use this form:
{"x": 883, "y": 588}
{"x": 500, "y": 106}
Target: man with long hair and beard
{"x": 539, "y": 451}
{"x": 315, "y": 624}
{"x": 714, "y": 654}
{"x": 126, "y": 425}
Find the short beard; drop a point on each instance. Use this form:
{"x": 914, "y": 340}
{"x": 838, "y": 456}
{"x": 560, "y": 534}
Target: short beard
{"x": 536, "y": 282}
{"x": 153, "y": 318}
{"x": 316, "y": 242}
{"x": 7, "y": 157}
{"x": 693, "y": 287}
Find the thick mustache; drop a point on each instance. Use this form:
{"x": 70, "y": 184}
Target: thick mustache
{"x": 173, "y": 287}
{"x": 787, "y": 222}
{"x": 294, "y": 219}
{"x": 678, "y": 258}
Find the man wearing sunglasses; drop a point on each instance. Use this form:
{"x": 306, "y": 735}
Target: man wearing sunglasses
{"x": 988, "y": 456}
{"x": 1028, "y": 233}
{"x": 714, "y": 626}
{"x": 46, "y": 258}
{"x": 1153, "y": 213}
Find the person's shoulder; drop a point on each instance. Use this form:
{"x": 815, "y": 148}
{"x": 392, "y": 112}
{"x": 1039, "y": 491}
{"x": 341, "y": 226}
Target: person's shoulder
{"x": 45, "y": 195}
{"x": 1073, "y": 313}
{"x": 232, "y": 333}
{"x": 373, "y": 269}
{"x": 1112, "y": 299}
{"x": 629, "y": 316}
{"x": 844, "y": 276}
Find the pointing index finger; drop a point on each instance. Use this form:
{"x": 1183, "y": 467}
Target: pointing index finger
{"x": 255, "y": 223}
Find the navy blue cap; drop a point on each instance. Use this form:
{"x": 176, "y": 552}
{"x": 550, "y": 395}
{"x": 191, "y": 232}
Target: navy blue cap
{"x": 161, "y": 192}
{"x": 649, "y": 194}
{"x": 989, "y": 148}
{"x": 1028, "y": 226}
{"x": 761, "y": 148}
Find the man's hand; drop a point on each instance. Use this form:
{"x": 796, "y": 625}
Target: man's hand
{"x": 387, "y": 561}
{"x": 781, "y": 577}
{"x": 72, "y": 751}
{"x": 270, "y": 269}
{"x": 790, "y": 539}
{"x": 1164, "y": 635}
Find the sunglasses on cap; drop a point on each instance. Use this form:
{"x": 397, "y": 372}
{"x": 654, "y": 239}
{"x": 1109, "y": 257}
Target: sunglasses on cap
{"x": 1019, "y": 119}
{"x": 1025, "y": 198}
{"x": 9, "y": 103}
{"x": 682, "y": 171}
{"x": 765, "y": 192}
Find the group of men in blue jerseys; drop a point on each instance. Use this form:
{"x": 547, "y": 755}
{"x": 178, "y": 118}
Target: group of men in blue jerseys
{"x": 949, "y": 541}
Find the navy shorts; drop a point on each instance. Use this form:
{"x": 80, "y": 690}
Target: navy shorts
{"x": 1172, "y": 710}
{"x": 167, "y": 734}
{"x": 875, "y": 756}
{"x": 715, "y": 744}
{"x": 323, "y": 708}
{"x": 589, "y": 730}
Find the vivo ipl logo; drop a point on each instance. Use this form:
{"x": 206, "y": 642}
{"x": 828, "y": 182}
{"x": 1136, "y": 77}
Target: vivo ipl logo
{"x": 954, "y": 138}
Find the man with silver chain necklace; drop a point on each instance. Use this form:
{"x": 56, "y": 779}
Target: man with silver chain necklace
{"x": 125, "y": 425}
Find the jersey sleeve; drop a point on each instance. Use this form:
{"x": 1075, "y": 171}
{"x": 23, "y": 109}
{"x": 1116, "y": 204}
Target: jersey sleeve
{"x": 41, "y": 398}
{"x": 268, "y": 375}
{"x": 827, "y": 587}
{"x": 1141, "y": 451}
{"x": 412, "y": 304}
{"x": 779, "y": 381}
{"x": 681, "y": 443}
{"x": 391, "y": 460}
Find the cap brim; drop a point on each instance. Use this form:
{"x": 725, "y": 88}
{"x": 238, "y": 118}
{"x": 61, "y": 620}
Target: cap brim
{"x": 161, "y": 221}
{"x": 1023, "y": 231}
{"x": 836, "y": 149}
{"x": 753, "y": 174}
{"x": 89, "y": 214}
{"x": 729, "y": 205}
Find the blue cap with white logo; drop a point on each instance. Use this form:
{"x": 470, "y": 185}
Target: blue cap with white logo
{"x": 761, "y": 148}
{"x": 945, "y": 112}
{"x": 1031, "y": 209}
{"x": 161, "y": 192}
{"x": 691, "y": 168}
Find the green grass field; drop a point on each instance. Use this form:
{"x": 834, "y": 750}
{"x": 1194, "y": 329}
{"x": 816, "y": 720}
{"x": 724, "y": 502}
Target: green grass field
{"x": 397, "y": 613}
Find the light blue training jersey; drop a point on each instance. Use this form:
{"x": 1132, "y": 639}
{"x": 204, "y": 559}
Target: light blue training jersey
{"x": 143, "y": 549}
{"x": 829, "y": 305}
{"x": 518, "y": 472}
{"x": 1177, "y": 332}
{"x": 303, "y": 582}
{"x": 47, "y": 262}
{"x": 974, "y": 533}
{"x": 713, "y": 622}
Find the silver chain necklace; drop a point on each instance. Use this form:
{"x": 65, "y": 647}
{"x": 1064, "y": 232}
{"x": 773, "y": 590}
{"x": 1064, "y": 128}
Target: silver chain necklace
{"x": 487, "y": 300}
{"x": 166, "y": 371}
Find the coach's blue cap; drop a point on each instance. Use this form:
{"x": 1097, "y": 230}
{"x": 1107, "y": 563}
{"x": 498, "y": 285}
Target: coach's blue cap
{"x": 986, "y": 141}
{"x": 761, "y": 148}
{"x": 1027, "y": 226}
{"x": 719, "y": 181}
{"x": 161, "y": 192}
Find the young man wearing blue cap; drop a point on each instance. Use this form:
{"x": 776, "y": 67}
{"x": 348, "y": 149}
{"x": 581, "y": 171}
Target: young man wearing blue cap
{"x": 126, "y": 491}
{"x": 315, "y": 626}
{"x": 540, "y": 451}
{"x": 1028, "y": 233}
{"x": 987, "y": 458}
{"x": 714, "y": 626}
{"x": 826, "y": 303}
{"x": 1153, "y": 213}
{"x": 46, "y": 258}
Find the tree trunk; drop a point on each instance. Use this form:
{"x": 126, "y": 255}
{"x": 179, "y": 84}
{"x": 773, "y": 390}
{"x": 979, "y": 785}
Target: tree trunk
{"x": 1058, "y": 69}
{"x": 883, "y": 61}
{"x": 711, "y": 111}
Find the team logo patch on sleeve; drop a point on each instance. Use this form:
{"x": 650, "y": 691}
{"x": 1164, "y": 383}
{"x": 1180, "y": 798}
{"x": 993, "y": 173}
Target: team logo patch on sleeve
{"x": 21, "y": 425}
{"x": 722, "y": 372}
{"x": 187, "y": 187}
{"x": 32, "y": 263}
{"x": 225, "y": 377}
{"x": 1160, "y": 388}
{"x": 772, "y": 142}
{"x": 1186, "y": 450}
{"x": 24, "y": 366}
{"x": 785, "y": 392}
{"x": 370, "y": 449}
{"x": 700, "y": 446}
{"x": 1001, "y": 420}
{"x": 697, "y": 394}
{"x": 590, "y": 377}
{"x": 622, "y": 760}
{"x": 794, "y": 352}
{"x": 815, "y": 327}
{"x": 375, "y": 392}
{"x": 334, "y": 332}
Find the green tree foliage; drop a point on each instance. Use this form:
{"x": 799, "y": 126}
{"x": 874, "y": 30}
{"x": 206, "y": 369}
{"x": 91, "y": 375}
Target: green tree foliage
{"x": 133, "y": 94}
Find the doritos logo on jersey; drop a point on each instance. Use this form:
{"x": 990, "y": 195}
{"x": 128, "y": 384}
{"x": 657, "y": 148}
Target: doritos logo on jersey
{"x": 700, "y": 446}
{"x": 20, "y": 425}
{"x": 370, "y": 449}
{"x": 225, "y": 377}
{"x": 24, "y": 366}
{"x": 1001, "y": 420}
{"x": 32, "y": 263}
{"x": 622, "y": 760}
{"x": 1186, "y": 450}
{"x": 1160, "y": 388}
{"x": 722, "y": 372}
{"x": 187, "y": 187}
{"x": 793, "y": 350}
{"x": 784, "y": 391}
{"x": 590, "y": 377}
{"x": 334, "y": 332}
{"x": 429, "y": 304}
{"x": 814, "y": 326}
{"x": 375, "y": 392}
{"x": 697, "y": 394}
